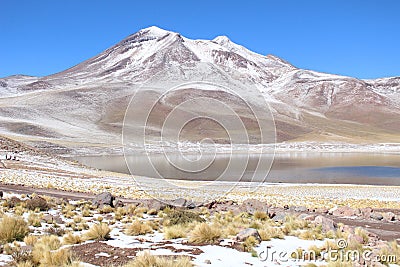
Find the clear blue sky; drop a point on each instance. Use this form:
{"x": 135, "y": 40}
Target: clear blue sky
{"x": 357, "y": 38}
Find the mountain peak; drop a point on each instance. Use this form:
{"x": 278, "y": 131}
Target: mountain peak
{"x": 154, "y": 31}
{"x": 222, "y": 39}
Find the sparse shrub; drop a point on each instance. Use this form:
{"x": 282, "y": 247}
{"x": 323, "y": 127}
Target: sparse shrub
{"x": 21, "y": 255}
{"x": 204, "y": 233}
{"x": 99, "y": 231}
{"x": 138, "y": 228}
{"x": 181, "y": 217}
{"x": 37, "y": 202}
{"x": 148, "y": 260}
{"x": 12, "y": 228}
{"x": 71, "y": 239}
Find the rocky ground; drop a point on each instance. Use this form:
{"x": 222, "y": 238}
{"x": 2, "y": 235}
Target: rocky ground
{"x": 54, "y": 207}
{"x": 101, "y": 230}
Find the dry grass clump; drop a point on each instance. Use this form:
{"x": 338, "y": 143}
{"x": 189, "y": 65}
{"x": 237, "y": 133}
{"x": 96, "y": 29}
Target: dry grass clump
{"x": 314, "y": 233}
{"x": 71, "y": 239}
{"x": 99, "y": 231}
{"x": 139, "y": 211}
{"x": 120, "y": 213}
{"x": 174, "y": 217}
{"x": 106, "y": 209}
{"x": 61, "y": 257}
{"x": 138, "y": 227}
{"x": 35, "y": 219}
{"x": 31, "y": 240}
{"x": 148, "y": 260}
{"x": 249, "y": 244}
{"x": 260, "y": 215}
{"x": 175, "y": 231}
{"x": 204, "y": 233}
{"x": 293, "y": 223}
{"x": 362, "y": 233}
{"x": 268, "y": 233}
{"x": 57, "y": 258}
{"x": 13, "y": 228}
{"x": 68, "y": 211}
{"x": 390, "y": 254}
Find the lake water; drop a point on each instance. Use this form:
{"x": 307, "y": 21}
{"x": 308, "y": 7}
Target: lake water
{"x": 330, "y": 168}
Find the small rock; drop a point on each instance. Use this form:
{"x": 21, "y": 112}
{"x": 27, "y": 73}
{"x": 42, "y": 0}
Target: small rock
{"x": 37, "y": 202}
{"x": 156, "y": 205}
{"x": 102, "y": 199}
{"x": 210, "y": 205}
{"x": 321, "y": 210}
{"x": 280, "y": 216}
{"x": 118, "y": 203}
{"x": 327, "y": 224}
{"x": 330, "y": 211}
{"x": 300, "y": 209}
{"x": 376, "y": 216}
{"x": 389, "y": 216}
{"x": 183, "y": 203}
{"x": 1, "y": 194}
{"x": 366, "y": 212}
{"x": 307, "y": 217}
{"x": 353, "y": 237}
{"x": 57, "y": 219}
{"x": 244, "y": 234}
{"x": 207, "y": 262}
{"x": 48, "y": 218}
{"x": 179, "y": 202}
{"x": 345, "y": 211}
{"x": 252, "y": 205}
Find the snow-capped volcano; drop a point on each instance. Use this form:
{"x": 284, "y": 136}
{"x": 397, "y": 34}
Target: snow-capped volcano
{"x": 86, "y": 103}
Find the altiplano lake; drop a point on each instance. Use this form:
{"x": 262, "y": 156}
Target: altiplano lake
{"x": 296, "y": 167}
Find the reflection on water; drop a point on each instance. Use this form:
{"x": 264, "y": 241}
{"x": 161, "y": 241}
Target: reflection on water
{"x": 332, "y": 168}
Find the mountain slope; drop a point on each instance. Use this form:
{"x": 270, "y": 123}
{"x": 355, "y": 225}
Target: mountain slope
{"x": 84, "y": 106}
